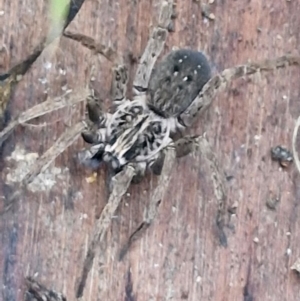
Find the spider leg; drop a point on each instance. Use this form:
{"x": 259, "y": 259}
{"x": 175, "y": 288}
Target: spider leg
{"x": 219, "y": 179}
{"x": 43, "y": 108}
{"x": 120, "y": 184}
{"x": 156, "y": 198}
{"x": 165, "y": 161}
{"x": 60, "y": 145}
{"x": 220, "y": 81}
{"x": 153, "y": 49}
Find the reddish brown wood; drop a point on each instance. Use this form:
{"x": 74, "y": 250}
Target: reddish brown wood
{"x": 179, "y": 257}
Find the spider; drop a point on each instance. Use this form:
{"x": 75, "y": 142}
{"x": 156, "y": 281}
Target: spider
{"x": 138, "y": 134}
{"x": 140, "y": 129}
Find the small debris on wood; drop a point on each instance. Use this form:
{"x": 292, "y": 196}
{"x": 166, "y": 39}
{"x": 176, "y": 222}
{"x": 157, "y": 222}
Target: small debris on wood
{"x": 282, "y": 155}
{"x": 272, "y": 203}
{"x": 256, "y": 240}
{"x": 296, "y": 266}
{"x": 91, "y": 179}
{"x": 233, "y": 207}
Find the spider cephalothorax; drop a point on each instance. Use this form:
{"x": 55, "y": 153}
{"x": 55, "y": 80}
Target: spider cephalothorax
{"x": 138, "y": 130}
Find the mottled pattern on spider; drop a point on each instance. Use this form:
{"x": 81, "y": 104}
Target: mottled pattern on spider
{"x": 139, "y": 130}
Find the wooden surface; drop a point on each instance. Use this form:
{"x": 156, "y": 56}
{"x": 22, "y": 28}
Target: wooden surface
{"x": 179, "y": 257}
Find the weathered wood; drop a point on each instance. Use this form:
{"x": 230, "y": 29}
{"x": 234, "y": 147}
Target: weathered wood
{"x": 179, "y": 256}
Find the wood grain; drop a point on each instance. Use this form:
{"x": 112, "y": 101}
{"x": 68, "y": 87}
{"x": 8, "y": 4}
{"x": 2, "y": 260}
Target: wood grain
{"x": 179, "y": 257}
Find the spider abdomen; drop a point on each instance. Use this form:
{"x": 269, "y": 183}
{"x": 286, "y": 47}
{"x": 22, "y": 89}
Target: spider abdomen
{"x": 176, "y": 81}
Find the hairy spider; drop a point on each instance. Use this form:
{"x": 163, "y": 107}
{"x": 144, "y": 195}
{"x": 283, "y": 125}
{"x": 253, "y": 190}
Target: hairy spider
{"x": 140, "y": 129}
{"x": 137, "y": 134}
